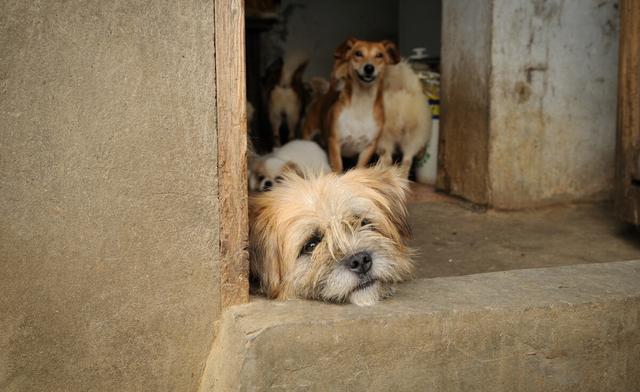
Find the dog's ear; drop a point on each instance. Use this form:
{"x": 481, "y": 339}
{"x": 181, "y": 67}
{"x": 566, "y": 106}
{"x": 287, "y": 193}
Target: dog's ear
{"x": 392, "y": 52}
{"x": 339, "y": 74}
{"x": 292, "y": 168}
{"x": 343, "y": 49}
{"x": 387, "y": 188}
{"x": 263, "y": 249}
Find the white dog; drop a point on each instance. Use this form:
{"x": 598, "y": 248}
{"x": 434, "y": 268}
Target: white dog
{"x": 300, "y": 156}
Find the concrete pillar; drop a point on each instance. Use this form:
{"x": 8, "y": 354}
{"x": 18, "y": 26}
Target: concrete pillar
{"x": 551, "y": 101}
{"x": 108, "y": 189}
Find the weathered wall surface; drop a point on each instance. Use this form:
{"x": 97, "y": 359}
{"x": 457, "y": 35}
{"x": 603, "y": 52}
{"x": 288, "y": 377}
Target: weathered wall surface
{"x": 108, "y": 195}
{"x": 466, "y": 70}
{"x": 529, "y": 101}
{"x": 553, "y": 101}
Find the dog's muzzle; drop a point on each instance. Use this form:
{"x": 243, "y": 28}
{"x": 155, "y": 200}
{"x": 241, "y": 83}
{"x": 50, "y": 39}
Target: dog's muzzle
{"x": 368, "y": 75}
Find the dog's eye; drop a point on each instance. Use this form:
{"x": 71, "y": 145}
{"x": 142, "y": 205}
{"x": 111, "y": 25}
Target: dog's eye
{"x": 379, "y": 55}
{"x": 366, "y": 224}
{"x": 260, "y": 178}
{"x": 310, "y": 246}
{"x": 358, "y": 53}
{"x": 279, "y": 179}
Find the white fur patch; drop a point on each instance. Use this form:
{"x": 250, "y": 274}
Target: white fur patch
{"x": 306, "y": 154}
{"x": 356, "y": 126}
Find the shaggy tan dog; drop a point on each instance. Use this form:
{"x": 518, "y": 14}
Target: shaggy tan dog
{"x": 336, "y": 238}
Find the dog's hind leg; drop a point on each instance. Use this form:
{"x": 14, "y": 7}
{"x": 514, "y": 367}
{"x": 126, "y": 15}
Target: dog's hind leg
{"x": 385, "y": 151}
{"x": 408, "y": 153}
{"x": 406, "y": 165}
{"x": 292, "y": 124}
{"x": 275, "y": 119}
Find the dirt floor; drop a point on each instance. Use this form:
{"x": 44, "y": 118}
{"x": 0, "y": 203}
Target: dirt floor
{"x": 453, "y": 238}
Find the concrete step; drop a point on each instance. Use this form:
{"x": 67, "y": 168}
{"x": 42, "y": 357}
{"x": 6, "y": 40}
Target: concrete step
{"x": 574, "y": 328}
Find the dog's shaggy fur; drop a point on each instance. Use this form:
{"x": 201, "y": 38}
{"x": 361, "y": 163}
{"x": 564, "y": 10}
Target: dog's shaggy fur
{"x": 308, "y": 236}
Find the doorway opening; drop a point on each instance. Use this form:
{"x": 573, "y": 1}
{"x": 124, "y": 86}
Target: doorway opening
{"x": 456, "y": 226}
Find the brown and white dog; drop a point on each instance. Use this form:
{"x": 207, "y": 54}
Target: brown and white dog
{"x": 355, "y": 115}
{"x": 406, "y": 116}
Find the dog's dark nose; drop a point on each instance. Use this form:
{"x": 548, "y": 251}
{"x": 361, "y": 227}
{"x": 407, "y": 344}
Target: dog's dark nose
{"x": 368, "y": 69}
{"x": 267, "y": 185}
{"x": 359, "y": 263}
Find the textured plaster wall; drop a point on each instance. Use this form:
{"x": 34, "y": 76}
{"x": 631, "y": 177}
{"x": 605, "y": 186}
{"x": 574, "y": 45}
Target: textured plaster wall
{"x": 529, "y": 100}
{"x": 108, "y": 194}
{"x": 466, "y": 74}
{"x": 553, "y": 101}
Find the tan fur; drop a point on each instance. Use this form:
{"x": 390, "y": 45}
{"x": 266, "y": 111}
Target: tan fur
{"x": 407, "y": 117}
{"x": 360, "y": 211}
{"x": 286, "y": 98}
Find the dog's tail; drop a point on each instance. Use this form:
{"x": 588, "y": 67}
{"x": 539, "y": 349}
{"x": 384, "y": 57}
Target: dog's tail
{"x": 293, "y": 69}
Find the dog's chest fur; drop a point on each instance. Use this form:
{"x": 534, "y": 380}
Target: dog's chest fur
{"x": 356, "y": 124}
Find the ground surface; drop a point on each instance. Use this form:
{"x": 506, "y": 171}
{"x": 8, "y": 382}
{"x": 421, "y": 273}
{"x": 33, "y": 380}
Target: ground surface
{"x": 454, "y": 239}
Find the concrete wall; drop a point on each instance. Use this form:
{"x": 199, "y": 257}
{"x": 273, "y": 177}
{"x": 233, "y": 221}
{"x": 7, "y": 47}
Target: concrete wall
{"x": 318, "y": 27}
{"x": 553, "y": 101}
{"x": 465, "y": 94}
{"x": 419, "y": 25}
{"x": 108, "y": 195}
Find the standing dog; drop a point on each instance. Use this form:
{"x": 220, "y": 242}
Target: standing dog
{"x": 285, "y": 100}
{"x": 356, "y": 118}
{"x": 407, "y": 116}
{"x": 336, "y": 238}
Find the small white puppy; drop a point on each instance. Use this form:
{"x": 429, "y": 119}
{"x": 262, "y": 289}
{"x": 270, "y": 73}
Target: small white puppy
{"x": 300, "y": 156}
